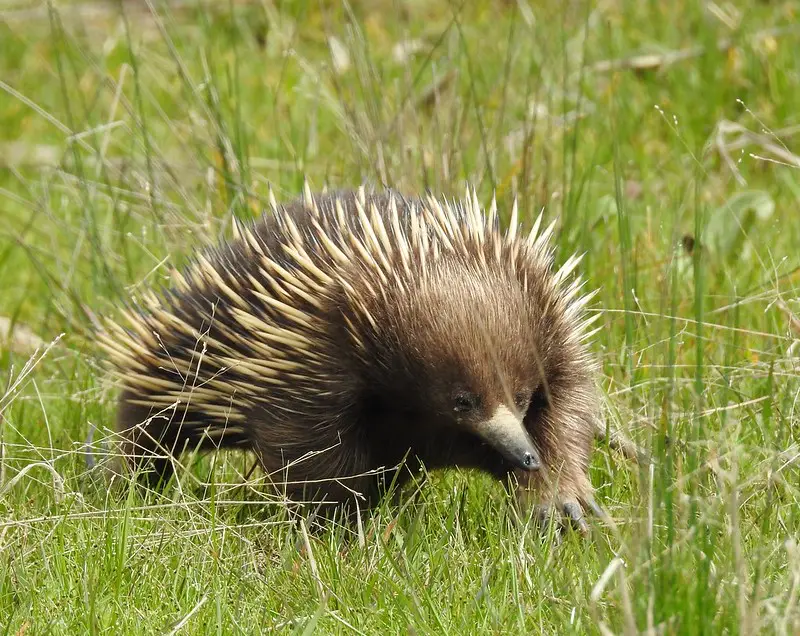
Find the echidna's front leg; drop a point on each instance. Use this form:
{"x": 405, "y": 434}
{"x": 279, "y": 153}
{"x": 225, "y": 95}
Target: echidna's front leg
{"x": 557, "y": 496}
{"x": 560, "y": 489}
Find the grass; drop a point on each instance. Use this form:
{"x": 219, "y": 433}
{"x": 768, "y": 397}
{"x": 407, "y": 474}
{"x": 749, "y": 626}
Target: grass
{"x": 127, "y": 140}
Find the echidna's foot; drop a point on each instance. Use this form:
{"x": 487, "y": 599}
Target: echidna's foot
{"x": 573, "y": 514}
{"x": 568, "y": 514}
{"x": 559, "y": 518}
{"x": 564, "y": 504}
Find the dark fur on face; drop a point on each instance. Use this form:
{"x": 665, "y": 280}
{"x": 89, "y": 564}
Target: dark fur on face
{"x": 352, "y": 331}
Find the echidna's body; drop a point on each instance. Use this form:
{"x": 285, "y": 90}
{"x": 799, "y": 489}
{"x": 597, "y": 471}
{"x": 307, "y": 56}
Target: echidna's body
{"x": 347, "y": 332}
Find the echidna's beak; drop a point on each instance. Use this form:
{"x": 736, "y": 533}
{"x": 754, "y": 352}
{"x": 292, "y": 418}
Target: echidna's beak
{"x": 505, "y": 432}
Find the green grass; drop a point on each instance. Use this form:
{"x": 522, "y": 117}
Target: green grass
{"x": 127, "y": 142}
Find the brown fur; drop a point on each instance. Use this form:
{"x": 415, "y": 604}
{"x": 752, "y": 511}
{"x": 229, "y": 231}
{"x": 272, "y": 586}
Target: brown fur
{"x": 390, "y": 348}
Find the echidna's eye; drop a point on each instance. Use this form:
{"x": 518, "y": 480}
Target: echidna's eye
{"x": 464, "y": 402}
{"x": 539, "y": 399}
{"x": 521, "y": 400}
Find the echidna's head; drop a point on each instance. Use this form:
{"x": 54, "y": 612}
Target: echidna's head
{"x": 463, "y": 357}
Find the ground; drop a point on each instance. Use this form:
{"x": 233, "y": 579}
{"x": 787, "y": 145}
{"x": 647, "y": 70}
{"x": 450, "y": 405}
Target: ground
{"x": 662, "y": 136}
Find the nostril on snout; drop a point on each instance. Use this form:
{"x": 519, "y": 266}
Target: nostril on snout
{"x": 530, "y": 461}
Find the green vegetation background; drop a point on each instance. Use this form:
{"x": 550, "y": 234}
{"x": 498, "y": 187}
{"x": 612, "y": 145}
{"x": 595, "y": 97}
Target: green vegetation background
{"x": 129, "y": 138}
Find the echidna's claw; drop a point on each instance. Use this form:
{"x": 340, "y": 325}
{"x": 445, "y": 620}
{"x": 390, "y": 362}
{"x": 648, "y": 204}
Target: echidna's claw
{"x": 595, "y": 508}
{"x": 569, "y": 513}
{"x": 574, "y": 514}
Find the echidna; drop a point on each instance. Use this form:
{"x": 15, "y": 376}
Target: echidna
{"x": 349, "y": 332}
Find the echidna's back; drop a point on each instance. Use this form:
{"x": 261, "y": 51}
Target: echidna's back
{"x": 245, "y": 329}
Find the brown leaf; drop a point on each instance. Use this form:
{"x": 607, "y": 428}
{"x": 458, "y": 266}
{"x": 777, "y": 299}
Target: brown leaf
{"x": 19, "y": 339}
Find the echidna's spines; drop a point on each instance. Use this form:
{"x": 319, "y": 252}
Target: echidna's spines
{"x": 236, "y": 228}
{"x": 545, "y": 238}
{"x": 312, "y": 300}
{"x": 567, "y": 268}
{"x": 251, "y": 241}
{"x": 181, "y": 284}
{"x": 353, "y": 332}
{"x": 369, "y": 247}
{"x": 287, "y": 337}
{"x": 588, "y": 335}
{"x": 492, "y": 218}
{"x": 294, "y": 232}
{"x": 400, "y": 240}
{"x": 341, "y": 217}
{"x": 144, "y": 333}
{"x": 257, "y": 285}
{"x": 144, "y": 354}
{"x": 271, "y": 368}
{"x": 439, "y": 229}
{"x": 537, "y": 224}
{"x": 169, "y": 318}
{"x": 571, "y": 296}
{"x": 365, "y": 254}
{"x": 330, "y": 246}
{"x": 273, "y": 203}
{"x": 289, "y": 279}
{"x": 284, "y": 309}
{"x": 466, "y": 223}
{"x": 382, "y": 234}
{"x": 482, "y": 220}
{"x": 276, "y": 286}
{"x": 309, "y": 268}
{"x": 364, "y": 312}
{"x": 513, "y": 223}
{"x": 308, "y": 199}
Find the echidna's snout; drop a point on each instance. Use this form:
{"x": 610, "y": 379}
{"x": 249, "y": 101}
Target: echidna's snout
{"x": 505, "y": 433}
{"x": 530, "y": 461}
